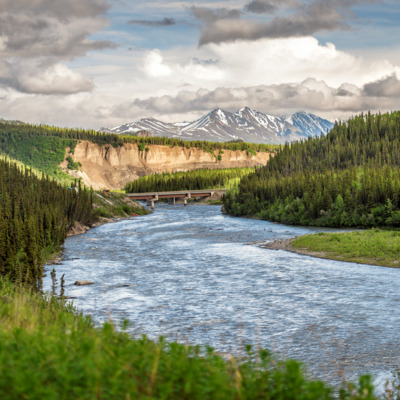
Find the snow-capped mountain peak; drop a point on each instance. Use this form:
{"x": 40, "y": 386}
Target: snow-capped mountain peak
{"x": 247, "y": 124}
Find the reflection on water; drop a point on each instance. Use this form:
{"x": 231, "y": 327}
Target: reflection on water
{"x": 187, "y": 273}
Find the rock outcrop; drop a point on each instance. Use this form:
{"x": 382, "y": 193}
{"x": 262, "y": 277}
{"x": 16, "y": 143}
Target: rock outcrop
{"x": 77, "y": 229}
{"x": 106, "y": 167}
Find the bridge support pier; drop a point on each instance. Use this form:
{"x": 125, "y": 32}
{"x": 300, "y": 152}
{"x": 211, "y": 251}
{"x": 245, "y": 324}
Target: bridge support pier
{"x": 150, "y": 203}
{"x": 185, "y": 195}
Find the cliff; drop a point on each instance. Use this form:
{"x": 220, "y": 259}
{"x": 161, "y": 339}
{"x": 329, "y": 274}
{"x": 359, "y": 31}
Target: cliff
{"x": 106, "y": 167}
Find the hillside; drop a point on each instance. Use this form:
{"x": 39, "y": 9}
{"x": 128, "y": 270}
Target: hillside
{"x": 109, "y": 161}
{"x": 106, "y": 167}
{"x": 246, "y": 124}
{"x": 350, "y": 178}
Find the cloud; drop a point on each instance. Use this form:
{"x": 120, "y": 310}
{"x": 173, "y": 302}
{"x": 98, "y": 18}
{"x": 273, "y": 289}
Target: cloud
{"x": 261, "y": 6}
{"x": 59, "y": 9}
{"x": 91, "y": 110}
{"x": 210, "y": 16}
{"x": 269, "y": 61}
{"x": 154, "y": 66}
{"x": 388, "y": 86}
{"x": 308, "y": 19}
{"x": 268, "y": 6}
{"x": 163, "y": 22}
{"x": 41, "y": 34}
{"x": 38, "y": 77}
{"x": 162, "y": 74}
{"x": 311, "y": 95}
{"x": 47, "y": 27}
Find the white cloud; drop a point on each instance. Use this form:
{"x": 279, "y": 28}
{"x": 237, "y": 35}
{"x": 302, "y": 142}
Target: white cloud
{"x": 94, "y": 110}
{"x": 293, "y": 60}
{"x": 55, "y": 79}
{"x": 265, "y": 62}
{"x": 153, "y": 65}
{"x": 311, "y": 95}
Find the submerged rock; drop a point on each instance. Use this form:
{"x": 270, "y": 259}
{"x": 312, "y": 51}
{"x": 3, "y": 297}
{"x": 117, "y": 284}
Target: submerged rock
{"x": 83, "y": 283}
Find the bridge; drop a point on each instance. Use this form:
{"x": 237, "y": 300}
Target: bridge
{"x": 152, "y": 197}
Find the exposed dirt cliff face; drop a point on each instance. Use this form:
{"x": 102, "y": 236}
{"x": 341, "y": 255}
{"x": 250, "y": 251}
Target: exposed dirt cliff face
{"x": 106, "y": 167}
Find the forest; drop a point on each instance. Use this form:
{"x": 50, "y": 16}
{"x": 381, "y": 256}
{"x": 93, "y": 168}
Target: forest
{"x": 36, "y": 213}
{"x": 44, "y": 146}
{"x": 348, "y": 178}
{"x": 190, "y": 180}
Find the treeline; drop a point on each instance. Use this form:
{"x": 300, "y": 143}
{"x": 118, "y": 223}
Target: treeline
{"x": 348, "y": 178}
{"x": 190, "y": 180}
{"x": 35, "y": 215}
{"x": 11, "y": 133}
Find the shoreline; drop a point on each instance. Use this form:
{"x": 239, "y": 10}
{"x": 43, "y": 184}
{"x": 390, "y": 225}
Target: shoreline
{"x": 286, "y": 245}
{"x": 78, "y": 229}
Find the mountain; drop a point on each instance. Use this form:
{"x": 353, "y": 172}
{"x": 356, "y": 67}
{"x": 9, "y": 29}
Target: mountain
{"x": 222, "y": 126}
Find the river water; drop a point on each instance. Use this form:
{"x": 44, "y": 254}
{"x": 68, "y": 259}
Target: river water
{"x": 188, "y": 273}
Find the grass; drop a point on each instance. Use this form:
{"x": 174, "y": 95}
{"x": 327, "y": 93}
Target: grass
{"x": 115, "y": 204}
{"x": 49, "y": 351}
{"x": 44, "y": 153}
{"x": 376, "y": 247}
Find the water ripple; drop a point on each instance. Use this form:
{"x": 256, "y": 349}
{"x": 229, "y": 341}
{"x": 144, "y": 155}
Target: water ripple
{"x": 187, "y": 273}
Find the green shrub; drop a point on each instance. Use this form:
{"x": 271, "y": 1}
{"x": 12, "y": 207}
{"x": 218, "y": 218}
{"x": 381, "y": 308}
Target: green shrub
{"x": 102, "y": 212}
{"x": 72, "y": 164}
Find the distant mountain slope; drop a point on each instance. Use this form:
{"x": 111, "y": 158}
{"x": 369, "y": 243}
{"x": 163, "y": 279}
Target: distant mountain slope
{"x": 222, "y": 126}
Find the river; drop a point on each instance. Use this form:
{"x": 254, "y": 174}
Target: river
{"x": 188, "y": 273}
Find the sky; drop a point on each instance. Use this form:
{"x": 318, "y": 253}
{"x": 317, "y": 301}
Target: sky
{"x": 103, "y": 63}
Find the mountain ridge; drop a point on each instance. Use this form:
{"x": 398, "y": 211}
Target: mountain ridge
{"x": 249, "y": 125}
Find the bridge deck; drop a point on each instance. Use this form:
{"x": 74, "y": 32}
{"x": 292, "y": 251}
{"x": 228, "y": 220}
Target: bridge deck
{"x": 177, "y": 194}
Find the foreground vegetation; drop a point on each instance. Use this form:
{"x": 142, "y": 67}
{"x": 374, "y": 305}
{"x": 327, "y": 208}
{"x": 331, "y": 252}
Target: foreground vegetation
{"x": 190, "y": 180}
{"x": 373, "y": 247}
{"x": 349, "y": 178}
{"x": 48, "y": 351}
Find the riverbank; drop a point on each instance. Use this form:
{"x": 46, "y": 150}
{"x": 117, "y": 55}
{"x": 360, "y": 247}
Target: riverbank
{"x": 110, "y": 207}
{"x": 49, "y": 350}
{"x": 373, "y": 247}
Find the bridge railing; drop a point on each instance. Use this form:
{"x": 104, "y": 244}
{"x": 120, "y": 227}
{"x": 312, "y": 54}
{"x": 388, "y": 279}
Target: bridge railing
{"x": 152, "y": 197}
